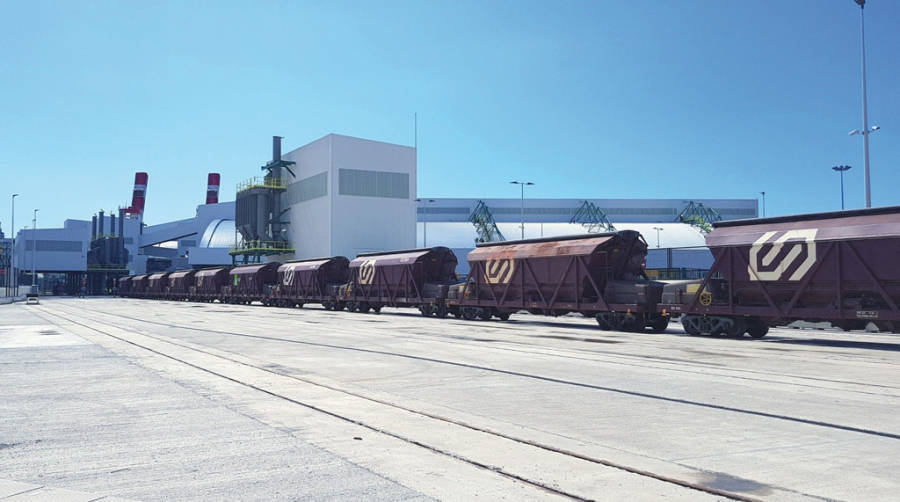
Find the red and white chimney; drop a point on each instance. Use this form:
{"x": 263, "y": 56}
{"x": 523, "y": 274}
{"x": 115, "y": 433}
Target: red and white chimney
{"x": 139, "y": 195}
{"x": 212, "y": 188}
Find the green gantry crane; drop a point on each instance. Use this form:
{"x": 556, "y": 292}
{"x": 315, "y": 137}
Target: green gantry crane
{"x": 592, "y": 218}
{"x": 484, "y": 223}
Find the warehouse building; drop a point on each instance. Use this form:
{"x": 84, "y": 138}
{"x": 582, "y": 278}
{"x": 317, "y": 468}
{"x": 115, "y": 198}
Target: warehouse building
{"x": 674, "y": 246}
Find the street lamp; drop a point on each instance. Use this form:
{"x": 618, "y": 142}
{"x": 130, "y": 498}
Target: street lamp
{"x": 866, "y": 130}
{"x": 33, "y": 249}
{"x": 658, "y": 230}
{"x": 764, "y": 203}
{"x": 865, "y": 134}
{"x": 425, "y": 222}
{"x": 842, "y": 169}
{"x": 522, "y": 184}
{"x": 12, "y": 263}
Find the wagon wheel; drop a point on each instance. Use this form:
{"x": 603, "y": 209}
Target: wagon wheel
{"x": 485, "y": 314}
{"x": 441, "y": 312}
{"x": 376, "y": 309}
{"x": 737, "y": 328}
{"x": 758, "y": 328}
{"x": 327, "y": 305}
{"x": 426, "y": 310}
{"x": 363, "y": 307}
{"x": 638, "y": 324}
{"x": 689, "y": 323}
{"x": 468, "y": 313}
{"x": 503, "y": 316}
{"x": 659, "y": 324}
{"x": 602, "y": 320}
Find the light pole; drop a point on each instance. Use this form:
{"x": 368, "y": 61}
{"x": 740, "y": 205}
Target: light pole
{"x": 764, "y": 203}
{"x": 425, "y": 222}
{"x": 12, "y": 263}
{"x": 842, "y": 169}
{"x": 522, "y": 184}
{"x": 865, "y": 130}
{"x": 33, "y": 249}
{"x": 658, "y": 230}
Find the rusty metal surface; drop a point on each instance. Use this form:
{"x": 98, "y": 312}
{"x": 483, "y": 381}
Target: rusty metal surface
{"x": 847, "y": 226}
{"x": 253, "y": 269}
{"x": 178, "y": 274}
{"x": 303, "y": 280}
{"x": 304, "y": 265}
{"x": 400, "y": 258}
{"x": 574, "y": 247}
{"x": 210, "y": 272}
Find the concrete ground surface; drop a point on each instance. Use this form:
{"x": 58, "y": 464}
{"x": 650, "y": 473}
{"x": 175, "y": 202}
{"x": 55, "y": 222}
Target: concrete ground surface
{"x": 151, "y": 400}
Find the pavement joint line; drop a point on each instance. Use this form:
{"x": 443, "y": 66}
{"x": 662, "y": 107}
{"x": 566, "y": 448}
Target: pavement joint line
{"x": 675, "y": 481}
{"x": 647, "y": 395}
{"x": 7, "y": 497}
{"x": 348, "y": 419}
{"x": 614, "y": 465}
{"x": 609, "y": 358}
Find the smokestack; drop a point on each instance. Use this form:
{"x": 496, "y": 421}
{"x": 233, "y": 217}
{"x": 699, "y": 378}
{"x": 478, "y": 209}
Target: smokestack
{"x": 212, "y": 188}
{"x": 139, "y": 195}
{"x": 121, "y": 222}
{"x": 94, "y": 227}
{"x": 276, "y": 148}
{"x": 100, "y": 223}
{"x": 112, "y": 224}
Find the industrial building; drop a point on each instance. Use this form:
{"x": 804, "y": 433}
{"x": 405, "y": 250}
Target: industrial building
{"x": 340, "y": 195}
{"x": 335, "y": 196}
{"x": 93, "y": 252}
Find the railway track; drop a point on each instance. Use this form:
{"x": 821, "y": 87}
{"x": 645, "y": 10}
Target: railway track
{"x": 182, "y": 352}
{"x": 605, "y": 356}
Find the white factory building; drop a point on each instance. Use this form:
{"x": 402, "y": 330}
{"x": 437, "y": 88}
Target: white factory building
{"x": 350, "y": 196}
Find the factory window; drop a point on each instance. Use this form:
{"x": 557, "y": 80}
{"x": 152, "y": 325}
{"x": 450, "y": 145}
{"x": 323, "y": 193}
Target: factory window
{"x": 373, "y": 183}
{"x": 55, "y": 246}
{"x": 737, "y": 212}
{"x": 444, "y": 210}
{"x": 533, "y": 210}
{"x": 308, "y": 188}
{"x": 641, "y": 210}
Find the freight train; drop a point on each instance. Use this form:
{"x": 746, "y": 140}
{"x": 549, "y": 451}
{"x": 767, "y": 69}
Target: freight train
{"x": 838, "y": 267}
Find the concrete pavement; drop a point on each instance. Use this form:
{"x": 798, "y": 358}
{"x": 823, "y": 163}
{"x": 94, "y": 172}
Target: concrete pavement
{"x": 533, "y": 408}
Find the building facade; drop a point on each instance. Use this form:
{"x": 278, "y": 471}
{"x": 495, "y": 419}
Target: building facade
{"x": 350, "y": 196}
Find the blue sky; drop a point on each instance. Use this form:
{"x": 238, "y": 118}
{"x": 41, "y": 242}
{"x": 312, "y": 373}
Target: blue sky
{"x": 686, "y": 99}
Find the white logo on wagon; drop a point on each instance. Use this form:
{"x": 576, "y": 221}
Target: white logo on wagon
{"x": 367, "y": 272}
{"x": 775, "y": 271}
{"x": 288, "y": 277}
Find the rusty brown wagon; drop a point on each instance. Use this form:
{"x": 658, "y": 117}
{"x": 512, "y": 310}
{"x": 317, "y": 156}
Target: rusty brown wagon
{"x": 840, "y": 267}
{"x": 597, "y": 275}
